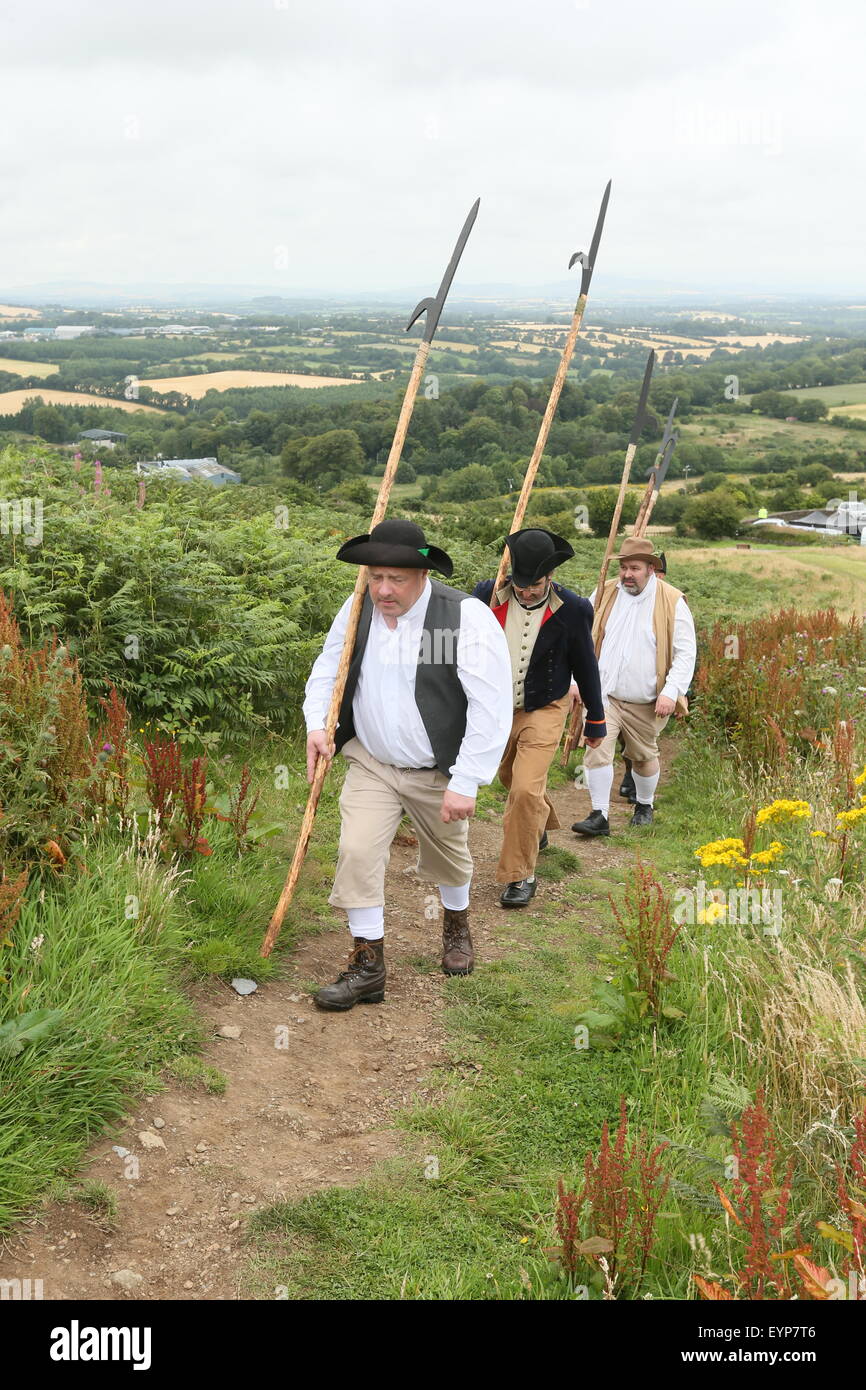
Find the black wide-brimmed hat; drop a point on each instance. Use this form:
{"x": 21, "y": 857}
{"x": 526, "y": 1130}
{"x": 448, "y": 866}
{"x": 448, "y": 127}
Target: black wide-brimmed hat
{"x": 398, "y": 544}
{"x": 534, "y": 553}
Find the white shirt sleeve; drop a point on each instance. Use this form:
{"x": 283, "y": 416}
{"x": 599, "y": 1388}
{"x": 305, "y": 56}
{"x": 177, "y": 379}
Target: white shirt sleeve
{"x": 321, "y": 680}
{"x": 484, "y": 671}
{"x": 685, "y": 652}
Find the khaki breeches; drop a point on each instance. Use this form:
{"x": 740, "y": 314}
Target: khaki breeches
{"x": 529, "y": 811}
{"x": 640, "y": 727}
{"x": 374, "y": 797}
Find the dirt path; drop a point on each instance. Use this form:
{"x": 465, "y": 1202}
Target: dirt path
{"x": 308, "y": 1103}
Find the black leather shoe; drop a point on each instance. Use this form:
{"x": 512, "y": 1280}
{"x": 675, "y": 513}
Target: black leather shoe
{"x": 363, "y": 980}
{"x": 543, "y": 842}
{"x": 518, "y": 894}
{"x": 596, "y": 823}
{"x": 643, "y": 815}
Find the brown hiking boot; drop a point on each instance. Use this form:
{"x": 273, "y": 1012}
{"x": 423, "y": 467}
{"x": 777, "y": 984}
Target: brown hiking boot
{"x": 457, "y": 957}
{"x": 363, "y": 980}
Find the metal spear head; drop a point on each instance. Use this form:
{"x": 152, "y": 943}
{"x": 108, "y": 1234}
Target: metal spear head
{"x": 433, "y": 306}
{"x": 666, "y": 456}
{"x": 659, "y": 466}
{"x": 644, "y": 393}
{"x": 588, "y": 261}
{"x": 670, "y": 420}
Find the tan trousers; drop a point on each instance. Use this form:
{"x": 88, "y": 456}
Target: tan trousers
{"x": 525, "y": 763}
{"x": 640, "y": 727}
{"x": 372, "y": 802}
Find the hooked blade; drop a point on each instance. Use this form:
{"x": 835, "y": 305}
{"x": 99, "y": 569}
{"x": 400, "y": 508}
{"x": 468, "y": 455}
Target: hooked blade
{"x": 663, "y": 465}
{"x": 434, "y": 305}
{"x": 588, "y": 261}
{"x": 659, "y": 466}
{"x": 644, "y": 393}
{"x": 668, "y": 430}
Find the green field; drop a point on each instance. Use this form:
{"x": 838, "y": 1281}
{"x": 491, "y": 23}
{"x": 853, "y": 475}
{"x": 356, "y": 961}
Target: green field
{"x": 761, "y": 433}
{"x": 849, "y": 393}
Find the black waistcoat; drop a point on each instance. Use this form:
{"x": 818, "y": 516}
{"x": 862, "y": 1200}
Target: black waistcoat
{"x": 440, "y": 697}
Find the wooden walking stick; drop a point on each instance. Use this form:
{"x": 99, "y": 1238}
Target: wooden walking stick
{"x": 657, "y": 475}
{"x": 573, "y": 736}
{"x": 588, "y": 264}
{"x": 432, "y": 306}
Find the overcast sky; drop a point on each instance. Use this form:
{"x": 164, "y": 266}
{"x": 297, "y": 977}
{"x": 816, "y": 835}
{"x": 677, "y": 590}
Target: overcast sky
{"x": 334, "y": 146}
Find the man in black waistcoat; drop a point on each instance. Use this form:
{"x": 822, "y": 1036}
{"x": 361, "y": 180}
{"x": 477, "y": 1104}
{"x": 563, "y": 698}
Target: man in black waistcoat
{"x": 549, "y": 633}
{"x": 423, "y": 722}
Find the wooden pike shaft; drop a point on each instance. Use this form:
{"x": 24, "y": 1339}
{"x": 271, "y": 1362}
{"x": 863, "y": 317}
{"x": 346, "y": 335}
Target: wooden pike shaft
{"x": 645, "y": 519}
{"x": 646, "y": 505}
{"x": 322, "y": 764}
{"x": 541, "y": 441}
{"x": 573, "y": 738}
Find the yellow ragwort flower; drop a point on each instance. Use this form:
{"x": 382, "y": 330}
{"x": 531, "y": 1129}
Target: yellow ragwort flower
{"x": 784, "y": 811}
{"x": 848, "y": 818}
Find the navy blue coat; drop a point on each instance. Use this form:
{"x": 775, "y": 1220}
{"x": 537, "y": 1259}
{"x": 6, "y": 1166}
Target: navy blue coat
{"x": 563, "y": 649}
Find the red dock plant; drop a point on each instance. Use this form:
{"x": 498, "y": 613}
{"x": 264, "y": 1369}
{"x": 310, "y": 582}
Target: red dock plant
{"x": 163, "y": 774}
{"x": 623, "y": 1188}
{"x": 241, "y": 809}
{"x": 645, "y": 924}
{"x": 111, "y": 760}
{"x": 194, "y": 796}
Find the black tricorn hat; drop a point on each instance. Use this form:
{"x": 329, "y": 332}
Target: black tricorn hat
{"x": 398, "y": 544}
{"x": 534, "y": 553}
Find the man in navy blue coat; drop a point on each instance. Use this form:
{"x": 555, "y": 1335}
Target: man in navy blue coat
{"x": 549, "y": 634}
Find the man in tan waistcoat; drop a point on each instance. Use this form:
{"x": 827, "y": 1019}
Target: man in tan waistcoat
{"x": 644, "y": 638}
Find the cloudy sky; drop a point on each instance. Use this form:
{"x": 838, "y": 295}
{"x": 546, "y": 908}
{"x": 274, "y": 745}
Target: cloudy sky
{"x": 336, "y": 145}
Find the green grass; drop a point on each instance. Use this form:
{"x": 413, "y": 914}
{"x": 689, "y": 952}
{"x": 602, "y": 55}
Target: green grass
{"x": 99, "y": 1199}
{"x": 196, "y": 1075}
{"x": 491, "y": 1148}
{"x": 848, "y": 393}
{"x": 467, "y": 1212}
{"x": 121, "y": 981}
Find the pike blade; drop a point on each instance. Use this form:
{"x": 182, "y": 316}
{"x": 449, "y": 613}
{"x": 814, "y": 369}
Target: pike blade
{"x": 434, "y": 305}
{"x": 641, "y": 405}
{"x": 588, "y": 261}
{"x": 667, "y": 455}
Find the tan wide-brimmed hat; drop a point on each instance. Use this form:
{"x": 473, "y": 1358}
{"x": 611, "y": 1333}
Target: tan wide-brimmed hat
{"x": 639, "y": 549}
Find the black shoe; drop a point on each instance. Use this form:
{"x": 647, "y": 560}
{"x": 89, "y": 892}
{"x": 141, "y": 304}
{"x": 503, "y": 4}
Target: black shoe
{"x": 363, "y": 980}
{"x": 596, "y": 823}
{"x": 543, "y": 842}
{"x": 643, "y": 814}
{"x": 628, "y": 789}
{"x": 518, "y": 894}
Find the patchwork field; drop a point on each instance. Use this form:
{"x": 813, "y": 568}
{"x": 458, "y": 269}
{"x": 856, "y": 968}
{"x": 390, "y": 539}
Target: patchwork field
{"x": 14, "y": 311}
{"x": 14, "y": 364}
{"x": 198, "y": 386}
{"x": 12, "y": 401}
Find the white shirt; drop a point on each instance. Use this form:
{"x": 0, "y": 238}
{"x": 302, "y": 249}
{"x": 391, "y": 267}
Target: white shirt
{"x": 387, "y": 720}
{"x": 634, "y": 678}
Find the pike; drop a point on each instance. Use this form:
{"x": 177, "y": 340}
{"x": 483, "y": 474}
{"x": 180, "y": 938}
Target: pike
{"x": 657, "y": 474}
{"x": 432, "y": 306}
{"x": 587, "y": 263}
{"x": 640, "y": 414}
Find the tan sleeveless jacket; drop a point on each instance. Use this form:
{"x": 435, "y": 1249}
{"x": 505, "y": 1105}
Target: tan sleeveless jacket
{"x": 664, "y": 607}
